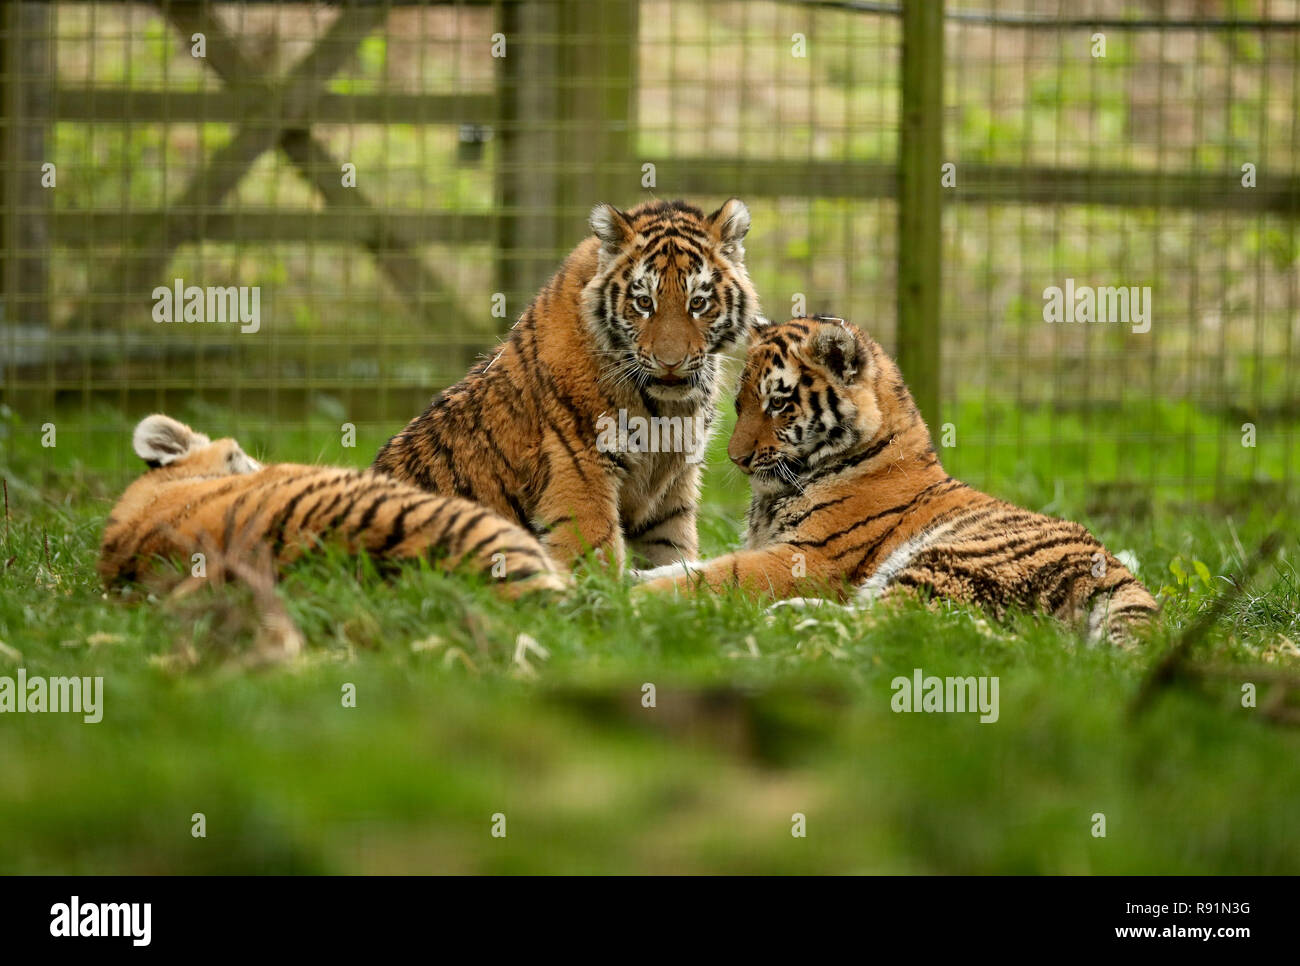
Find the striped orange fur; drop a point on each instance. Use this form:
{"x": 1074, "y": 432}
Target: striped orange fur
{"x": 635, "y": 321}
{"x": 850, "y": 500}
{"x": 201, "y": 494}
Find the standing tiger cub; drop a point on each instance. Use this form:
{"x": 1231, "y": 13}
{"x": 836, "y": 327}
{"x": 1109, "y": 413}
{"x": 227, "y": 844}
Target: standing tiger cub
{"x": 629, "y": 331}
{"x": 199, "y": 494}
{"x": 848, "y": 493}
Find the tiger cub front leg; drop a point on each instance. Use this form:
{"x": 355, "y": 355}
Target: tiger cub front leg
{"x": 578, "y": 509}
{"x": 778, "y": 571}
{"x": 668, "y": 534}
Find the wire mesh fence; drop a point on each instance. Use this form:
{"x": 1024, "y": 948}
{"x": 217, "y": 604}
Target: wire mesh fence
{"x": 1155, "y": 151}
{"x": 379, "y": 188}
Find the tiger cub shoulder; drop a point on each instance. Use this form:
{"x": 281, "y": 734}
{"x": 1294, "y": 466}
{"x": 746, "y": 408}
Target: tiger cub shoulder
{"x": 844, "y": 475}
{"x": 200, "y": 495}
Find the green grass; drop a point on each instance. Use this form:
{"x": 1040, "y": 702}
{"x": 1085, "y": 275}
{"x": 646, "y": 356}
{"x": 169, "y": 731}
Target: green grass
{"x": 757, "y": 716}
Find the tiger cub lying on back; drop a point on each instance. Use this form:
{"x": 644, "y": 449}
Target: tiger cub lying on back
{"x": 846, "y": 481}
{"x": 200, "y": 494}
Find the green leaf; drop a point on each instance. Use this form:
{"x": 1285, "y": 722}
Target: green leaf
{"x": 1203, "y": 572}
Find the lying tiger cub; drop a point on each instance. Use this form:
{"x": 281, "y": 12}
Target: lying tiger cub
{"x": 200, "y": 494}
{"x": 849, "y": 496}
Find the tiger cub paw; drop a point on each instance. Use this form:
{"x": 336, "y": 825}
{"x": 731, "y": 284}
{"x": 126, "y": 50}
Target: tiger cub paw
{"x": 800, "y": 603}
{"x": 680, "y": 568}
{"x": 670, "y": 577}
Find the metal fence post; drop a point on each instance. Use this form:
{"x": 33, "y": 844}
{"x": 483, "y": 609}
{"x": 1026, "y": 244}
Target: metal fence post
{"x": 527, "y": 150}
{"x": 920, "y": 203}
{"x": 24, "y": 101}
{"x": 564, "y": 130}
{"x": 599, "y": 66}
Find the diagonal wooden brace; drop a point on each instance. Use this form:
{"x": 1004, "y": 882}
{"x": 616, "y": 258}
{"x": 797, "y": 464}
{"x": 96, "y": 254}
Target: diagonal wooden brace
{"x": 269, "y": 111}
{"x": 395, "y": 253}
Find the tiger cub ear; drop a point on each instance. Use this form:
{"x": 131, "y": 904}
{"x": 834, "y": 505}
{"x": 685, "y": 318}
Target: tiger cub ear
{"x": 729, "y": 225}
{"x": 838, "y": 347}
{"x": 159, "y": 440}
{"x": 612, "y": 228}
